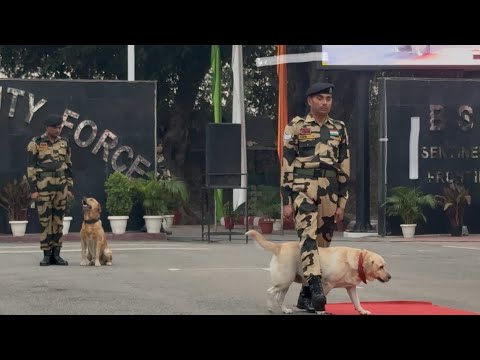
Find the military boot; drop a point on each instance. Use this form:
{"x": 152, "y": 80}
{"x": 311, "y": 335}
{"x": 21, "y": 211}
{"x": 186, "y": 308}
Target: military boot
{"x": 56, "y": 259}
{"x": 305, "y": 299}
{"x": 318, "y": 298}
{"x": 46, "y": 258}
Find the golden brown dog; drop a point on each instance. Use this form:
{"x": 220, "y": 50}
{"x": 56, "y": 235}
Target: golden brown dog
{"x": 342, "y": 267}
{"x": 92, "y": 236}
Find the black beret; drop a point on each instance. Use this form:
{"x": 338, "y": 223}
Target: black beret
{"x": 320, "y": 88}
{"x": 53, "y": 120}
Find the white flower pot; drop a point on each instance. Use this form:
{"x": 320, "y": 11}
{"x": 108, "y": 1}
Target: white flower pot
{"x": 408, "y": 230}
{"x": 168, "y": 221}
{"x": 277, "y": 225}
{"x": 66, "y": 224}
{"x": 153, "y": 223}
{"x": 118, "y": 224}
{"x": 18, "y": 227}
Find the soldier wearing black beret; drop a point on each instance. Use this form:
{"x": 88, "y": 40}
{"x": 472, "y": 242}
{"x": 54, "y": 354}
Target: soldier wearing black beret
{"x": 315, "y": 172}
{"x": 49, "y": 173}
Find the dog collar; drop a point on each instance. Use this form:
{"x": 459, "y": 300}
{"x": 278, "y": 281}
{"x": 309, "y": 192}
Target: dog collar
{"x": 93, "y": 221}
{"x": 361, "y": 272}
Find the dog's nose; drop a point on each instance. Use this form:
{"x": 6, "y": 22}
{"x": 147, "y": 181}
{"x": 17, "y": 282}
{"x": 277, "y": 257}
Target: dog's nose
{"x": 389, "y": 276}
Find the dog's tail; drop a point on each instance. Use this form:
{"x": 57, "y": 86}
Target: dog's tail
{"x": 264, "y": 243}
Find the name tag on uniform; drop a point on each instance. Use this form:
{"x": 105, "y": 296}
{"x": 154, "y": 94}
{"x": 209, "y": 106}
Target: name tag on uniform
{"x": 304, "y": 131}
{"x": 334, "y": 133}
{"x": 307, "y": 137}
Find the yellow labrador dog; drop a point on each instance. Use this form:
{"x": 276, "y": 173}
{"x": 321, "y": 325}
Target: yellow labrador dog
{"x": 92, "y": 235}
{"x": 342, "y": 267}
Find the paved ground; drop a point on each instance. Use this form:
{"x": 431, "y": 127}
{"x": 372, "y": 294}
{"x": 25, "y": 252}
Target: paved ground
{"x": 181, "y": 276}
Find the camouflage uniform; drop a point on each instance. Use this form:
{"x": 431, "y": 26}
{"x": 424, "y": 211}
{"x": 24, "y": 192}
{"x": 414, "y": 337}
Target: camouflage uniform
{"x": 316, "y": 167}
{"x": 315, "y": 173}
{"x": 162, "y": 170}
{"x": 49, "y": 173}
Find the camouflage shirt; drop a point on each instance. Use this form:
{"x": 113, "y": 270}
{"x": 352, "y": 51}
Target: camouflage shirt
{"x": 47, "y": 156}
{"x": 307, "y": 145}
{"x": 162, "y": 170}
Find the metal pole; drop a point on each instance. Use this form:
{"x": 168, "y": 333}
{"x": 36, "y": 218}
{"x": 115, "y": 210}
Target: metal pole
{"x": 131, "y": 62}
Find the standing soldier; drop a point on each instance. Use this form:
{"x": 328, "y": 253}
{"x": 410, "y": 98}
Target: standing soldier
{"x": 49, "y": 172}
{"x": 163, "y": 173}
{"x": 315, "y": 171}
{"x": 162, "y": 169}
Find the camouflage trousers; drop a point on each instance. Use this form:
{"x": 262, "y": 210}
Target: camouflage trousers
{"x": 314, "y": 203}
{"x": 51, "y": 204}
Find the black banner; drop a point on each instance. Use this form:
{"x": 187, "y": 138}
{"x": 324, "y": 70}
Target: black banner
{"x": 111, "y": 126}
{"x": 433, "y": 122}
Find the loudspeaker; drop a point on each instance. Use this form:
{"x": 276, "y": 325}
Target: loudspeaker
{"x": 223, "y": 155}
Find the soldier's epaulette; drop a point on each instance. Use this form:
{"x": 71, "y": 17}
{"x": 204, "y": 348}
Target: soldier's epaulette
{"x": 297, "y": 119}
{"x": 36, "y": 139}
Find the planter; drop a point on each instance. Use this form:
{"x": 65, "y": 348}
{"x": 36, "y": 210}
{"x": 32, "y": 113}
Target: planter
{"x": 153, "y": 223}
{"x": 229, "y": 223}
{"x": 277, "y": 225}
{"x": 177, "y": 219}
{"x": 408, "y": 230}
{"x": 66, "y": 224}
{"x": 168, "y": 221}
{"x": 456, "y": 230}
{"x": 18, "y": 227}
{"x": 118, "y": 224}
{"x": 266, "y": 225}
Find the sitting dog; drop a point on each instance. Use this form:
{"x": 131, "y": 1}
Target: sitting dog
{"x": 92, "y": 236}
{"x": 342, "y": 267}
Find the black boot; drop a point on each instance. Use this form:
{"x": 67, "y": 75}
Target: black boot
{"x": 56, "y": 259}
{"x": 305, "y": 299}
{"x": 46, "y": 258}
{"x": 318, "y": 298}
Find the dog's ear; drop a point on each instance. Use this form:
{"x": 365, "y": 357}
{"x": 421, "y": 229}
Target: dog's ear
{"x": 99, "y": 208}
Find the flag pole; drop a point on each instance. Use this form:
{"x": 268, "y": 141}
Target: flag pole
{"x": 131, "y": 62}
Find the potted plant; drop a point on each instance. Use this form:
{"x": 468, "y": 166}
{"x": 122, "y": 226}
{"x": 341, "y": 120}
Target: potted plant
{"x": 268, "y": 206}
{"x": 175, "y": 195}
{"x": 67, "y": 219}
{"x": 149, "y": 192}
{"x": 119, "y": 201}
{"x": 407, "y": 203}
{"x": 455, "y": 197}
{"x": 228, "y": 215}
{"x": 15, "y": 198}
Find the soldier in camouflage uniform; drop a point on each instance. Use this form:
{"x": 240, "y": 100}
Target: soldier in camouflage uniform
{"x": 49, "y": 172}
{"x": 162, "y": 169}
{"x": 315, "y": 171}
{"x": 163, "y": 173}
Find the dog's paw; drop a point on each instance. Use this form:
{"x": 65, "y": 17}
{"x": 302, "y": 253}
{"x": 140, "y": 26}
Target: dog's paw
{"x": 109, "y": 263}
{"x": 364, "y": 312}
{"x": 84, "y": 263}
{"x": 286, "y": 310}
{"x": 97, "y": 263}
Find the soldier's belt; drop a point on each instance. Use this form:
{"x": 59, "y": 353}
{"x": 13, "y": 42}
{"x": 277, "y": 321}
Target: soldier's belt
{"x": 315, "y": 172}
{"x": 44, "y": 174}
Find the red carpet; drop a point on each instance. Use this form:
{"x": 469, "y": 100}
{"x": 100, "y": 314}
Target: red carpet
{"x": 395, "y": 308}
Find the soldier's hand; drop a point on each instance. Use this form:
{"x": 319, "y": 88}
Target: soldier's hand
{"x": 69, "y": 193}
{"x": 288, "y": 211}
{"x": 34, "y": 195}
{"x": 339, "y": 215}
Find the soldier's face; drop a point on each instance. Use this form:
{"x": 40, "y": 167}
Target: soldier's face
{"x": 54, "y": 131}
{"x": 159, "y": 148}
{"x": 320, "y": 104}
